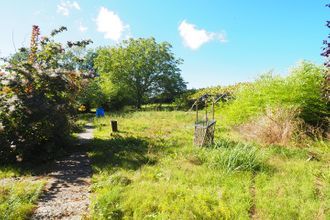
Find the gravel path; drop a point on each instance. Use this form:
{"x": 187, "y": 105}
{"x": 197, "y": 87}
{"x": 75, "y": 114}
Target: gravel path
{"x": 68, "y": 187}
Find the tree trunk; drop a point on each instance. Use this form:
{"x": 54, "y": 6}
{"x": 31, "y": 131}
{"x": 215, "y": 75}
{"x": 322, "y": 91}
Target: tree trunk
{"x": 139, "y": 96}
{"x": 138, "y": 103}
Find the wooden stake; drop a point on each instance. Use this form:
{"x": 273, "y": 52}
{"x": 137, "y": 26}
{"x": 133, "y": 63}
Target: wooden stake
{"x": 114, "y": 126}
{"x": 206, "y": 119}
{"x": 196, "y": 112}
{"x": 213, "y": 109}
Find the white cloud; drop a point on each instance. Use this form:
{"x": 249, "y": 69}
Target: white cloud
{"x": 194, "y": 37}
{"x": 109, "y": 23}
{"x": 65, "y": 6}
{"x": 82, "y": 28}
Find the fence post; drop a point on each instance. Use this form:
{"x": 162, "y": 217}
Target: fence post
{"x": 114, "y": 126}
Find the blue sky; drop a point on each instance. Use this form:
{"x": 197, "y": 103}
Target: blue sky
{"x": 221, "y": 41}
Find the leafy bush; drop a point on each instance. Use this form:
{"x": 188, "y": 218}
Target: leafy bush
{"x": 37, "y": 98}
{"x": 301, "y": 90}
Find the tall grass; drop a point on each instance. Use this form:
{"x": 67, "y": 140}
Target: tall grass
{"x": 232, "y": 156}
{"x": 301, "y": 90}
{"x": 17, "y": 198}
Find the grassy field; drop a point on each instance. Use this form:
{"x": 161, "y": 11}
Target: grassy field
{"x": 151, "y": 170}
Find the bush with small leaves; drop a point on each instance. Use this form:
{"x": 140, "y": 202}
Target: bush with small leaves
{"x": 37, "y": 99}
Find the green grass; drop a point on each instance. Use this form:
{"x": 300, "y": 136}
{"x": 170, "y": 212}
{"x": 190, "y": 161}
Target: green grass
{"x": 302, "y": 89}
{"x": 9, "y": 171}
{"x": 18, "y": 198}
{"x": 150, "y": 170}
{"x": 18, "y": 192}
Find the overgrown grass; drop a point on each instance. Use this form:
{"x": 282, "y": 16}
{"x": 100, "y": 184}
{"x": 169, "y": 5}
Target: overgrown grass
{"x": 298, "y": 190}
{"x": 301, "y": 90}
{"x": 19, "y": 191}
{"x": 150, "y": 170}
{"x": 18, "y": 198}
{"x": 239, "y": 157}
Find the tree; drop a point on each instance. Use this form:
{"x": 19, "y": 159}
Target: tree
{"x": 92, "y": 95}
{"x": 141, "y": 69}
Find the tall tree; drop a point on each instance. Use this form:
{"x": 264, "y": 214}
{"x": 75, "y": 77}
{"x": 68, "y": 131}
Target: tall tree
{"x": 142, "y": 68}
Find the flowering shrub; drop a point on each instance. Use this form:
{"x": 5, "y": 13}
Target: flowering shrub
{"x": 37, "y": 98}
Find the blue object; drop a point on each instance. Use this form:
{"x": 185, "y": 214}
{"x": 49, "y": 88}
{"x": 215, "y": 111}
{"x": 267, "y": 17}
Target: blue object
{"x": 99, "y": 112}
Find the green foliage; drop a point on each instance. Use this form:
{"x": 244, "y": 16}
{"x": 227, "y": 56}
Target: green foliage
{"x": 216, "y": 90}
{"x": 92, "y": 94}
{"x": 302, "y": 90}
{"x": 9, "y": 171}
{"x": 141, "y": 70}
{"x": 185, "y": 100}
{"x": 37, "y": 99}
{"x": 20, "y": 56}
{"x": 17, "y": 199}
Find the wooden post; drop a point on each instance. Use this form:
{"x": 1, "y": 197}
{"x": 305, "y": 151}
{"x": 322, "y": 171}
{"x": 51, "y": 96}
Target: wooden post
{"x": 196, "y": 111}
{"x": 213, "y": 109}
{"x": 206, "y": 119}
{"x": 114, "y": 126}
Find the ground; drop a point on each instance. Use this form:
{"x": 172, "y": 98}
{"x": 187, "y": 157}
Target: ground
{"x": 66, "y": 195}
{"x": 151, "y": 170}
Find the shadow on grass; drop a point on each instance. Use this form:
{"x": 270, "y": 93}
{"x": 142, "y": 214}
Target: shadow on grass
{"x": 129, "y": 153}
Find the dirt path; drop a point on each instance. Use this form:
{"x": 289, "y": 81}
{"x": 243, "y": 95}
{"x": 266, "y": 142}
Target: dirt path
{"x": 68, "y": 187}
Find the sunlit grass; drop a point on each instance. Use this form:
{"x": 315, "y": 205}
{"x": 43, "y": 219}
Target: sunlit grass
{"x": 299, "y": 190}
{"x": 18, "y": 198}
{"x": 151, "y": 170}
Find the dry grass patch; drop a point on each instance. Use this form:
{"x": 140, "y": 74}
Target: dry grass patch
{"x": 276, "y": 126}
